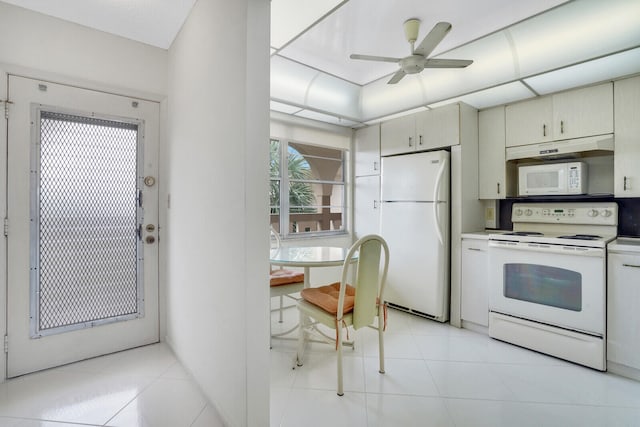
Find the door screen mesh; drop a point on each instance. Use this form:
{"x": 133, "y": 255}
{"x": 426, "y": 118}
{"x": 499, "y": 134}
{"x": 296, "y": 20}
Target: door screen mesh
{"x": 86, "y": 268}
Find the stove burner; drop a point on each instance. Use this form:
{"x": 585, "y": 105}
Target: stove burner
{"x": 523, "y": 233}
{"x": 581, "y": 237}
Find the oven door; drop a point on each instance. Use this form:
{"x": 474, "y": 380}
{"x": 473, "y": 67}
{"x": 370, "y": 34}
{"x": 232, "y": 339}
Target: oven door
{"x": 558, "y": 285}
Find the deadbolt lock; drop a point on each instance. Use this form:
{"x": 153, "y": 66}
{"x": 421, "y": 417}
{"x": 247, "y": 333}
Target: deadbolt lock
{"x": 150, "y": 228}
{"x": 150, "y": 239}
{"x": 149, "y": 181}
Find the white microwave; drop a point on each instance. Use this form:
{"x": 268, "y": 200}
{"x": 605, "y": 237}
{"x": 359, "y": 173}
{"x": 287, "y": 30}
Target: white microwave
{"x": 552, "y": 178}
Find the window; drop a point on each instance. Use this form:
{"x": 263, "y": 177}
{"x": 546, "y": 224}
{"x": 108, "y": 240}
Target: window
{"x": 313, "y": 178}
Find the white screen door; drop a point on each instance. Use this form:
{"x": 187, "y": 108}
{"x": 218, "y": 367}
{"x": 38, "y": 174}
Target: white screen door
{"x": 82, "y": 224}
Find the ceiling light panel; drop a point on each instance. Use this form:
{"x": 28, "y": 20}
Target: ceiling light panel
{"x": 326, "y": 118}
{"x": 283, "y": 108}
{"x": 291, "y": 17}
{"x": 503, "y": 94}
{"x": 305, "y": 86}
{"x": 374, "y": 27}
{"x": 576, "y": 32}
{"x": 598, "y": 70}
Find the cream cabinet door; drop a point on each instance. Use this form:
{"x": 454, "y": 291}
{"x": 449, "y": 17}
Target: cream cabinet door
{"x": 366, "y": 215}
{"x": 627, "y": 138}
{"x": 529, "y": 122}
{"x": 398, "y": 135}
{"x": 439, "y": 127}
{"x": 491, "y": 154}
{"x": 367, "y": 151}
{"x": 475, "y": 281}
{"x": 583, "y": 112}
{"x": 623, "y": 313}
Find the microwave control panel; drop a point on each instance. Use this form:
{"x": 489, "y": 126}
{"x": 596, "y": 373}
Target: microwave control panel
{"x": 569, "y": 213}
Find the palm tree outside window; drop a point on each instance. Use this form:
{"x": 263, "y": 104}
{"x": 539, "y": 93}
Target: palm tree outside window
{"x": 314, "y": 181}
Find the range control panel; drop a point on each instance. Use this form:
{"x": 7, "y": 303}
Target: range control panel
{"x": 566, "y": 213}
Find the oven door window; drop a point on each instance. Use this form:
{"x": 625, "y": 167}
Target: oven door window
{"x": 541, "y": 284}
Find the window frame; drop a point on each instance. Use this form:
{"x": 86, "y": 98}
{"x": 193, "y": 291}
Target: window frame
{"x": 284, "y": 188}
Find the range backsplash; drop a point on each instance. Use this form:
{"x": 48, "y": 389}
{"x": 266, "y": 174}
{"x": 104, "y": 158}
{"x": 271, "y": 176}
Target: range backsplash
{"x": 628, "y": 211}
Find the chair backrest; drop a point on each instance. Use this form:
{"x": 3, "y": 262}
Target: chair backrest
{"x": 370, "y": 277}
{"x": 274, "y": 238}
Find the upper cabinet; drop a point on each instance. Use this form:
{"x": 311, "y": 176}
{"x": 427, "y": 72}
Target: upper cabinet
{"x": 426, "y": 130}
{"x": 398, "y": 135}
{"x": 572, "y": 114}
{"x": 367, "y": 151}
{"x": 583, "y": 112}
{"x": 529, "y": 122}
{"x": 496, "y": 177}
{"x": 439, "y": 127}
{"x": 627, "y": 138}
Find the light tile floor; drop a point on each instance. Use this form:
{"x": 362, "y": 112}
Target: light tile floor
{"x": 436, "y": 375}
{"x": 146, "y": 386}
{"x": 439, "y": 375}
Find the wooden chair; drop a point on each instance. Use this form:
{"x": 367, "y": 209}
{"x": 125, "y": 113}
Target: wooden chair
{"x": 341, "y": 305}
{"x": 283, "y": 283}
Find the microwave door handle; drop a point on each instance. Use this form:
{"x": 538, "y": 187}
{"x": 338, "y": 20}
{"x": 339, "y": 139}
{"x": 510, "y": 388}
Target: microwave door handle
{"x": 436, "y": 193}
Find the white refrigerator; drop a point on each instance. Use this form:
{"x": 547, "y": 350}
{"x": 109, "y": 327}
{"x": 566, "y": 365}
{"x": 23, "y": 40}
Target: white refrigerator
{"x": 414, "y": 220}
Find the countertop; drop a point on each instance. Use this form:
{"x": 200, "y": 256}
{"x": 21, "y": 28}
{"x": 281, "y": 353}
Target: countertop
{"x": 625, "y": 244}
{"x": 481, "y": 234}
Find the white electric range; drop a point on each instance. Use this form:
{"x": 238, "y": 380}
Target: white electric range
{"x": 548, "y": 281}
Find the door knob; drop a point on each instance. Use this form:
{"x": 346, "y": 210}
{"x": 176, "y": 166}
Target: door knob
{"x": 150, "y": 239}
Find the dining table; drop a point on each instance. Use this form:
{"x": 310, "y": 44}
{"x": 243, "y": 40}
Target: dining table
{"x": 307, "y": 257}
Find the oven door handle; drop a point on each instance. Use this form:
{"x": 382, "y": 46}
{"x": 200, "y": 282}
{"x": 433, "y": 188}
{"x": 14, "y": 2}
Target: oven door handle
{"x": 542, "y": 247}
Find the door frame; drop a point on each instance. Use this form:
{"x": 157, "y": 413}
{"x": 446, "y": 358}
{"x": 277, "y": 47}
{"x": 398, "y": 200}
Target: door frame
{"x": 163, "y": 196}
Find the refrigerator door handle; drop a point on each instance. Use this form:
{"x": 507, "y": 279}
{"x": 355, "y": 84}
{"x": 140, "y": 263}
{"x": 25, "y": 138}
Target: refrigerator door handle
{"x": 436, "y": 193}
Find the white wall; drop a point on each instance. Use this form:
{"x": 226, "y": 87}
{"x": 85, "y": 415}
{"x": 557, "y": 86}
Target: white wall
{"x": 39, "y": 46}
{"x": 217, "y": 302}
{"x": 71, "y": 53}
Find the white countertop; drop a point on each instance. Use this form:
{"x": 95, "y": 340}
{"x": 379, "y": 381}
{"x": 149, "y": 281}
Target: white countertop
{"x": 481, "y": 234}
{"x": 625, "y": 244}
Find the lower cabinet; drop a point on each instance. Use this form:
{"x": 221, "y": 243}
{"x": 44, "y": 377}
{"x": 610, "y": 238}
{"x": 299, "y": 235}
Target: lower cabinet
{"x": 623, "y": 311}
{"x": 475, "y": 281}
{"x": 366, "y": 215}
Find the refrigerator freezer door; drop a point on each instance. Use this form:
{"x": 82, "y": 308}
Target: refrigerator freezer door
{"x": 413, "y": 177}
{"x": 418, "y": 263}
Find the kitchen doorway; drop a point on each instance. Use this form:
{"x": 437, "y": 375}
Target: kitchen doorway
{"x": 82, "y": 227}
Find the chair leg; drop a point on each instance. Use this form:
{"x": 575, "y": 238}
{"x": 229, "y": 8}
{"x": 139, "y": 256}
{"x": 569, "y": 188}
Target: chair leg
{"x": 281, "y": 309}
{"x": 339, "y": 343}
{"x": 381, "y": 342}
{"x": 301, "y": 340}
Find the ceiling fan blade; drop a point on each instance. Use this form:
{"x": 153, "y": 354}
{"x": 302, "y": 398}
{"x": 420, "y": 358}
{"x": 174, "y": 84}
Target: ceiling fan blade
{"x": 447, "y": 63}
{"x": 397, "y": 77}
{"x": 374, "y": 58}
{"x": 432, "y": 39}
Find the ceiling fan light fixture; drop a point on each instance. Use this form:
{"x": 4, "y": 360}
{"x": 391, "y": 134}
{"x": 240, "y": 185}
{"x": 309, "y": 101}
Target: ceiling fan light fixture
{"x": 411, "y": 29}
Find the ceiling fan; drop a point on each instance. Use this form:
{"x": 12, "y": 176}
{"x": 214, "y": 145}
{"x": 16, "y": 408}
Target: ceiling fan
{"x": 418, "y": 60}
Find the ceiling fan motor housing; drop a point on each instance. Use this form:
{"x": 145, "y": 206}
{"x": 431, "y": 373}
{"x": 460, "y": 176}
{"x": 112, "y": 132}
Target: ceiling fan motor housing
{"x": 412, "y": 64}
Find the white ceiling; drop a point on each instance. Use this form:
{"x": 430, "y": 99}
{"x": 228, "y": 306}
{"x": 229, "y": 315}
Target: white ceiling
{"x": 374, "y": 27}
{"x": 513, "y": 44}
{"x": 154, "y": 22}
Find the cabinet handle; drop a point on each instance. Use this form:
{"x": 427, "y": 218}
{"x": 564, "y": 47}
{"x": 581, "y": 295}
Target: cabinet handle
{"x": 498, "y": 186}
{"x": 631, "y": 265}
{"x": 420, "y": 140}
{"x": 375, "y": 204}
{"x": 475, "y": 249}
{"x": 544, "y": 130}
{"x": 624, "y": 184}
{"x": 410, "y": 142}
{"x": 375, "y": 166}
{"x": 561, "y": 126}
